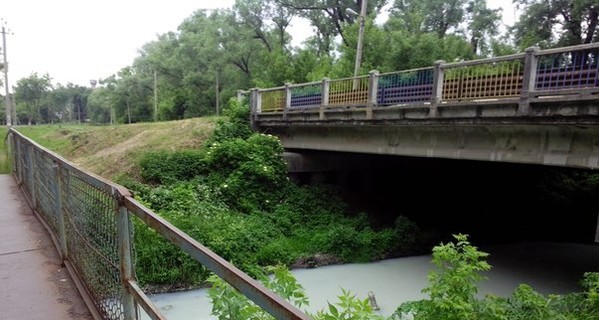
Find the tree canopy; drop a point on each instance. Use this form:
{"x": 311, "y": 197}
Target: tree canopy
{"x": 190, "y": 71}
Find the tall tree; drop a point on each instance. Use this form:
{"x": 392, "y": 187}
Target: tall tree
{"x": 548, "y": 23}
{"x": 68, "y": 103}
{"x": 329, "y": 17}
{"x": 482, "y": 25}
{"x": 471, "y": 19}
{"x": 30, "y": 95}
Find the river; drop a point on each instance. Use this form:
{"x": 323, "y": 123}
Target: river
{"x": 550, "y": 268}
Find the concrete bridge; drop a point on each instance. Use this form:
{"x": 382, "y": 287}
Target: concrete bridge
{"x": 537, "y": 107}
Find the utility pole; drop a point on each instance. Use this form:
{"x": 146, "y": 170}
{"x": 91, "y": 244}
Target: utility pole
{"x": 217, "y": 95}
{"x": 360, "y": 38}
{"x": 155, "y": 98}
{"x": 7, "y": 100}
{"x": 361, "y": 17}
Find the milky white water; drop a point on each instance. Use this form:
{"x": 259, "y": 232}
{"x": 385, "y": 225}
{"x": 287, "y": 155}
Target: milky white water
{"x": 547, "y": 267}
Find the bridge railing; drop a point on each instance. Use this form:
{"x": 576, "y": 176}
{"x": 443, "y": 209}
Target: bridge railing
{"x": 90, "y": 220}
{"x": 518, "y": 77}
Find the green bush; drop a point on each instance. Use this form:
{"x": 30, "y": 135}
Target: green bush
{"x": 165, "y": 167}
{"x": 453, "y": 284}
{"x": 453, "y": 288}
{"x": 235, "y": 124}
{"x": 234, "y": 197}
{"x": 228, "y": 303}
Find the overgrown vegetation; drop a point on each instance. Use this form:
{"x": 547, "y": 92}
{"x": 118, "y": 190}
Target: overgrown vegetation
{"x": 233, "y": 195}
{"x": 452, "y": 290}
{"x": 4, "y": 164}
{"x": 113, "y": 151}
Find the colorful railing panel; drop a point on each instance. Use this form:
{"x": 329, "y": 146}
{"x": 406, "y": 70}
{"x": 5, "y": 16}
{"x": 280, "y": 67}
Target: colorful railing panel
{"x": 348, "y": 92}
{"x": 405, "y": 87}
{"x": 306, "y": 95}
{"x": 566, "y": 70}
{"x": 483, "y": 80}
{"x": 525, "y": 75}
{"x": 273, "y": 100}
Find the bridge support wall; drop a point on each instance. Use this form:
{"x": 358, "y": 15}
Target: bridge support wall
{"x": 555, "y": 145}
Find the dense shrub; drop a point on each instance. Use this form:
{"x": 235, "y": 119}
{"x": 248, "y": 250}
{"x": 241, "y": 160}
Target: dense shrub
{"x": 165, "y": 167}
{"x": 235, "y": 124}
{"x": 454, "y": 286}
{"x": 234, "y": 197}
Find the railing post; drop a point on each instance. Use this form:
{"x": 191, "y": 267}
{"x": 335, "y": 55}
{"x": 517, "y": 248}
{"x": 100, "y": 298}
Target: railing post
{"x": 254, "y": 100}
{"x": 437, "y": 96}
{"x": 58, "y": 209}
{"x": 528, "y": 80}
{"x": 373, "y": 88}
{"x": 287, "y": 100}
{"x": 21, "y": 160}
{"x": 324, "y": 102}
{"x": 240, "y": 96}
{"x": 31, "y": 174}
{"x": 126, "y": 265}
{"x": 16, "y": 158}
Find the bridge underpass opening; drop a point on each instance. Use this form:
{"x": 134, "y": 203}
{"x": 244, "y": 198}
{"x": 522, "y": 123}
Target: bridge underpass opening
{"x": 492, "y": 202}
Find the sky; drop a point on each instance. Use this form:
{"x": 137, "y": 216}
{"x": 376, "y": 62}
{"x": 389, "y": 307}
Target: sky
{"x": 75, "y": 41}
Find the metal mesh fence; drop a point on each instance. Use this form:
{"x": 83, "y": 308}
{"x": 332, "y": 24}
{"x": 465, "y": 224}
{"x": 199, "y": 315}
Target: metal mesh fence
{"x": 61, "y": 193}
{"x": 91, "y": 232}
{"x": 46, "y": 189}
{"x": 92, "y": 218}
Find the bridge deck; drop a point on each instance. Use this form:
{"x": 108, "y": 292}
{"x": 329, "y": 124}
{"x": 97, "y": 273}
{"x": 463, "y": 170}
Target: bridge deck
{"x": 33, "y": 283}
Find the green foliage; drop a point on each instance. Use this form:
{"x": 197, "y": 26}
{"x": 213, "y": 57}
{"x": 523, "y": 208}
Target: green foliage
{"x": 234, "y": 196}
{"x": 452, "y": 293}
{"x": 528, "y": 304}
{"x": 164, "y": 167}
{"x": 349, "y": 307}
{"x": 4, "y": 159}
{"x": 235, "y": 124}
{"x": 555, "y": 23}
{"x": 162, "y": 263}
{"x": 31, "y": 93}
{"x": 228, "y": 303}
{"x": 453, "y": 285}
{"x": 251, "y": 173}
{"x": 590, "y": 283}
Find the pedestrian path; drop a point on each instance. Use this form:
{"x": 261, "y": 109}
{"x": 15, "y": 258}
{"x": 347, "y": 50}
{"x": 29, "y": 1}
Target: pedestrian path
{"x": 33, "y": 284}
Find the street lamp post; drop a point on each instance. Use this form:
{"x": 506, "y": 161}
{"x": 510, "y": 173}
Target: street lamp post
{"x": 361, "y": 18}
{"x": 360, "y": 38}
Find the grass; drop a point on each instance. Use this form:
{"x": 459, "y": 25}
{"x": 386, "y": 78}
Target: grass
{"x": 4, "y": 167}
{"x": 112, "y": 151}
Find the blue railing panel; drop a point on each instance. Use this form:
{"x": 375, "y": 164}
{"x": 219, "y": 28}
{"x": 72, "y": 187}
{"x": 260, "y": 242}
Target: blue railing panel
{"x": 566, "y": 70}
{"x": 405, "y": 87}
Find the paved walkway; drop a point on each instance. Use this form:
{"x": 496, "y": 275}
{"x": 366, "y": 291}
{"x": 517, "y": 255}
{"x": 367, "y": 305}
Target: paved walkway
{"x": 33, "y": 285}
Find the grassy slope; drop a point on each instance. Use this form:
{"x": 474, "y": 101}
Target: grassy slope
{"x": 110, "y": 151}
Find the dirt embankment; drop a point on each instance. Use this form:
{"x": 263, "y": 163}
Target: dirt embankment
{"x": 111, "y": 151}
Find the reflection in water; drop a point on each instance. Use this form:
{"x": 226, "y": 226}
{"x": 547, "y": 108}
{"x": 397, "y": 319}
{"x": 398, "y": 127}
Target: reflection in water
{"x": 547, "y": 267}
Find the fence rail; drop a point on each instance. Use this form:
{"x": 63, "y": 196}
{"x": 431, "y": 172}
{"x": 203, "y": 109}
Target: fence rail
{"x": 528, "y": 75}
{"x": 90, "y": 220}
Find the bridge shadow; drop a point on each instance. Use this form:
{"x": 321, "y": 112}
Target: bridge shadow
{"x": 492, "y": 202}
